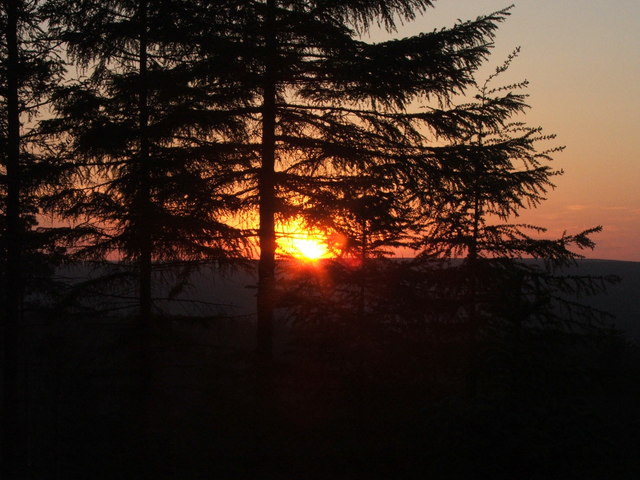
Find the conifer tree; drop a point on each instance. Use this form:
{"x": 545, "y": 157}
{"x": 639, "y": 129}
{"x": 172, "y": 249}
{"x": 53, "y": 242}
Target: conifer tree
{"x": 494, "y": 169}
{"x": 142, "y": 141}
{"x": 28, "y": 69}
{"x": 329, "y": 104}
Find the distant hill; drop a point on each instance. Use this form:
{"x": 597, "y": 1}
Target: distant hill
{"x": 231, "y": 293}
{"x": 622, "y": 299}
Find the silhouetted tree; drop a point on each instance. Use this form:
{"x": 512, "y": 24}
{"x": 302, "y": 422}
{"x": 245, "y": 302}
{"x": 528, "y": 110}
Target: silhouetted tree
{"x": 28, "y": 69}
{"x": 146, "y": 179}
{"x": 330, "y": 105}
{"x": 365, "y": 217}
{"x": 493, "y": 170}
{"x": 141, "y": 141}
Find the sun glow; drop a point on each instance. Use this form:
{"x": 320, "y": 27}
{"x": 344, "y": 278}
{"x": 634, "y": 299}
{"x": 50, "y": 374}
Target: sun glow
{"x": 309, "y": 248}
{"x": 298, "y": 242}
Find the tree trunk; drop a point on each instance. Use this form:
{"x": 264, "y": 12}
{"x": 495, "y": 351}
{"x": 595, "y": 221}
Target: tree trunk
{"x": 143, "y": 205}
{"x": 474, "y": 320}
{"x": 144, "y": 246}
{"x": 362, "y": 280}
{"x": 13, "y": 279}
{"x": 267, "y": 192}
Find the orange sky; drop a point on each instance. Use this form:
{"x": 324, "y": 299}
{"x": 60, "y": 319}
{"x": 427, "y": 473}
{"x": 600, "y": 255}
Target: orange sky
{"x": 582, "y": 58}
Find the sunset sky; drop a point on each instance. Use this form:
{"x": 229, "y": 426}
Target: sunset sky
{"x": 582, "y": 58}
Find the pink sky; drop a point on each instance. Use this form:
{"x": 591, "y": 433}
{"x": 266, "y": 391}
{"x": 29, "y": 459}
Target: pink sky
{"x": 582, "y": 58}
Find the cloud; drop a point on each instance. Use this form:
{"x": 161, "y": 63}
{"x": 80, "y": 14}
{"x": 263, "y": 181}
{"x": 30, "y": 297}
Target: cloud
{"x": 618, "y": 209}
{"x": 576, "y": 208}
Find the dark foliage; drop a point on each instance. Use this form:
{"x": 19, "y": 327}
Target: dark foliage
{"x": 188, "y": 132}
{"x": 148, "y": 161}
{"x": 331, "y": 106}
{"x": 29, "y": 67}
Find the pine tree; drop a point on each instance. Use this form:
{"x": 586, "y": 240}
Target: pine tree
{"x": 330, "y": 105}
{"x": 143, "y": 148}
{"x": 28, "y": 69}
{"x": 494, "y": 168}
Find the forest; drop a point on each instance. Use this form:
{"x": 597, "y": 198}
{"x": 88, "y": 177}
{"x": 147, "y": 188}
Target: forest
{"x": 373, "y": 306}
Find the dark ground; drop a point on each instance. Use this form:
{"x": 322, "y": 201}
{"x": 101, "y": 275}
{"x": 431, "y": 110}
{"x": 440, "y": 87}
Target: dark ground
{"x": 350, "y": 408}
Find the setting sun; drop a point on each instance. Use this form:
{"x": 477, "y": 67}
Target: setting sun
{"x": 309, "y": 248}
{"x": 299, "y": 242}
